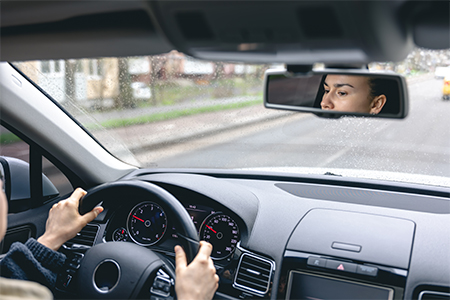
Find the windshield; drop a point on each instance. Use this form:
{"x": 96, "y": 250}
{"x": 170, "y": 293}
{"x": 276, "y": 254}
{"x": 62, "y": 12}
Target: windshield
{"x": 172, "y": 111}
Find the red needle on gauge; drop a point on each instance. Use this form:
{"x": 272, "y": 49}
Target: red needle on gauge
{"x": 211, "y": 229}
{"x": 138, "y": 218}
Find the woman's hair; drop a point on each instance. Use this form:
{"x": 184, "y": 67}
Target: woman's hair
{"x": 389, "y": 88}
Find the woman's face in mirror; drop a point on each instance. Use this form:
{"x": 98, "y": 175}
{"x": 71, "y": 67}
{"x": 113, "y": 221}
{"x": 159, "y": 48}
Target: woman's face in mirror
{"x": 348, "y": 93}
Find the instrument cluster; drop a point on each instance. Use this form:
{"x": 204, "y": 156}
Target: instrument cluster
{"x": 147, "y": 224}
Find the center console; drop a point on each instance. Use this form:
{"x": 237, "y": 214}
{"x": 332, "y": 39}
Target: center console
{"x": 346, "y": 255}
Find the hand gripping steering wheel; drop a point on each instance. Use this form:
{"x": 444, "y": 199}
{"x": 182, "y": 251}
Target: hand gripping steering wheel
{"x": 120, "y": 270}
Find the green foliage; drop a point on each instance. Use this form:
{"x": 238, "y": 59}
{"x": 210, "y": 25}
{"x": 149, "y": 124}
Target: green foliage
{"x": 8, "y": 138}
{"x": 117, "y": 123}
{"x": 171, "y": 92}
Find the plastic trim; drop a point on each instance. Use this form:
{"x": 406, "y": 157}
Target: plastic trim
{"x": 433, "y": 293}
{"x": 118, "y": 277}
{"x": 245, "y": 288}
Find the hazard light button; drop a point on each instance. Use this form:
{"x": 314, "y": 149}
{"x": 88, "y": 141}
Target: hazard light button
{"x": 340, "y": 266}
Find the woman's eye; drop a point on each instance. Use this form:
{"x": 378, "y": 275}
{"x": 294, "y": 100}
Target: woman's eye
{"x": 342, "y": 93}
{"x": 326, "y": 91}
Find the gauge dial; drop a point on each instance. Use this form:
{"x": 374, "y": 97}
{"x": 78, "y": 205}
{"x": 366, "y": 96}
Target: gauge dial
{"x": 120, "y": 235}
{"x": 222, "y": 232}
{"x": 147, "y": 223}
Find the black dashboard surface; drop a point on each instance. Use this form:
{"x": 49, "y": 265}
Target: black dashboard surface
{"x": 403, "y": 236}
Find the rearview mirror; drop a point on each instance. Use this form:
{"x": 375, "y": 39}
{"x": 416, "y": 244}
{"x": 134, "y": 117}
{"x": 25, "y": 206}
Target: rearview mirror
{"x": 336, "y": 93}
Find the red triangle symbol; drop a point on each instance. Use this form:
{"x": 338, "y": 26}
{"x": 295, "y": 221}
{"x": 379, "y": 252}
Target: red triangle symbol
{"x": 341, "y": 267}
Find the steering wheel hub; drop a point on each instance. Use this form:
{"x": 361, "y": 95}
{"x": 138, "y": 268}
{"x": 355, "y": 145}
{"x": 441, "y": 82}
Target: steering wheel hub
{"x": 106, "y": 276}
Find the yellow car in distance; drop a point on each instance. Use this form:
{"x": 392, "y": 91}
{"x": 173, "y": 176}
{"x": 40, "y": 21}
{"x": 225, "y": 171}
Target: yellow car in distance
{"x": 446, "y": 88}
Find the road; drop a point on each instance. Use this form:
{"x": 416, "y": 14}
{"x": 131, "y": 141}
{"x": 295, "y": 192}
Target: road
{"x": 419, "y": 144}
{"x": 255, "y": 137}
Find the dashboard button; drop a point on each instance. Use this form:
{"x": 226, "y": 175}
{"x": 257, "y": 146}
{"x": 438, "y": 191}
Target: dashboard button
{"x": 316, "y": 262}
{"x": 341, "y": 266}
{"x": 365, "y": 270}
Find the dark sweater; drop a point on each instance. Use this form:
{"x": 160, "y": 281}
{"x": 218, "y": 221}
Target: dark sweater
{"x": 32, "y": 261}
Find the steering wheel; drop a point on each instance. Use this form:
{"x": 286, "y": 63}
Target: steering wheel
{"x": 121, "y": 270}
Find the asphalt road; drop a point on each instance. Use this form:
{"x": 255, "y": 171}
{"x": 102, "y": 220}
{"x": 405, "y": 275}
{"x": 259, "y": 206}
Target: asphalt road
{"x": 255, "y": 137}
{"x": 419, "y": 144}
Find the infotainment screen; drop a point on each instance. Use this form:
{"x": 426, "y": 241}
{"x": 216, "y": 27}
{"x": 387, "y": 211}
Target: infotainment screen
{"x": 315, "y": 287}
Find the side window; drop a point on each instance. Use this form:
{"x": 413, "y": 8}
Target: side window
{"x": 58, "y": 179}
{"x": 12, "y": 146}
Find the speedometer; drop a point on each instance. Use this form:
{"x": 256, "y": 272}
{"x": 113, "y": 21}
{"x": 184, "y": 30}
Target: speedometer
{"x": 147, "y": 223}
{"x": 222, "y": 232}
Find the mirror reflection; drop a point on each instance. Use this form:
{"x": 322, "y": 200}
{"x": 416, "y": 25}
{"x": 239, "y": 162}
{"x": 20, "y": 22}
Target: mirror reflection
{"x": 338, "y": 92}
{"x": 354, "y": 93}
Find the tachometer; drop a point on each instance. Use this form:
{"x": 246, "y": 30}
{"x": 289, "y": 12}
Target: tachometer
{"x": 147, "y": 223}
{"x": 222, "y": 232}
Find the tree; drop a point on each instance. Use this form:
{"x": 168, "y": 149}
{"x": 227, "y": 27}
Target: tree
{"x": 69, "y": 78}
{"x": 125, "y": 97}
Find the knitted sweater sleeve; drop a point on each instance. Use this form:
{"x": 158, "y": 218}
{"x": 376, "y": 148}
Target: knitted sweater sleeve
{"x": 32, "y": 261}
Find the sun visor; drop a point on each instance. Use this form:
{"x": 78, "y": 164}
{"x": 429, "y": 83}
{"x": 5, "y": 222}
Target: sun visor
{"x": 285, "y": 31}
{"x": 77, "y": 29}
{"x": 431, "y": 26}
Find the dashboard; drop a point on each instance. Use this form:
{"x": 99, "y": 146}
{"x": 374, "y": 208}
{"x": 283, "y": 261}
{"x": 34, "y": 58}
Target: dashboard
{"x": 280, "y": 237}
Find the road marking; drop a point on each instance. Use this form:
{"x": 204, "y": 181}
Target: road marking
{"x": 334, "y": 157}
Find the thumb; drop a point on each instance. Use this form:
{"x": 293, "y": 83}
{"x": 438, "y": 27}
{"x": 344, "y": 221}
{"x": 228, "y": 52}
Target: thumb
{"x": 89, "y": 216}
{"x": 180, "y": 258}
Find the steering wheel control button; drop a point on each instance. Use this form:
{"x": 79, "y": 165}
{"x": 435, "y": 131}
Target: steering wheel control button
{"x": 366, "y": 270}
{"x": 67, "y": 281}
{"x": 161, "y": 287}
{"x": 106, "y": 276}
{"x": 346, "y": 247}
{"x": 72, "y": 264}
{"x": 316, "y": 262}
{"x": 341, "y": 266}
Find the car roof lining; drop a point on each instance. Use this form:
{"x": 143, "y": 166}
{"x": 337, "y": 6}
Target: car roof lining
{"x": 282, "y": 31}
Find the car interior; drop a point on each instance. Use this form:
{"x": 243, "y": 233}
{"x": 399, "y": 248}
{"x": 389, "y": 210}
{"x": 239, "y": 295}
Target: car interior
{"x": 275, "y": 235}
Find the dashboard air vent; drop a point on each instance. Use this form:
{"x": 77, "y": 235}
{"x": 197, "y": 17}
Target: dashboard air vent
{"x": 84, "y": 239}
{"x": 254, "y": 274}
{"x": 432, "y": 295}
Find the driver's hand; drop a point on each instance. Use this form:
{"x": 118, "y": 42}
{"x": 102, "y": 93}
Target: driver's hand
{"x": 64, "y": 221}
{"x": 198, "y": 280}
